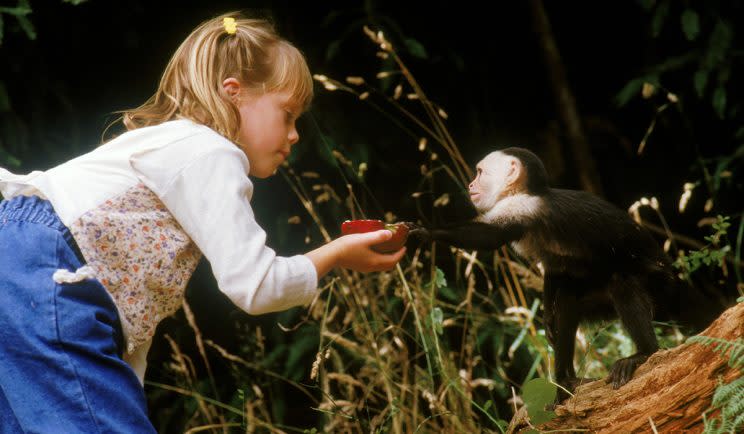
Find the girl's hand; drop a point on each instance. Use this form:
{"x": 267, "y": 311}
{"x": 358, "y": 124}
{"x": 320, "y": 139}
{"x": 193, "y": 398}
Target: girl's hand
{"x": 354, "y": 252}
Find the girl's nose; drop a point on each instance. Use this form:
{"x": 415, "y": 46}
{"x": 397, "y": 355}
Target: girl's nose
{"x": 293, "y": 137}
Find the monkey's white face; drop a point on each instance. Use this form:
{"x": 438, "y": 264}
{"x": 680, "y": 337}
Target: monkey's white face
{"x": 494, "y": 175}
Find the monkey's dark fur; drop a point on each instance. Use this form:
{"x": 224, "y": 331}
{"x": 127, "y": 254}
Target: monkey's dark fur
{"x": 598, "y": 264}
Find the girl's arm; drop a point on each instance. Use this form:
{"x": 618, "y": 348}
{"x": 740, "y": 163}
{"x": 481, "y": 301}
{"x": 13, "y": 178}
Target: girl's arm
{"x": 208, "y": 192}
{"x": 354, "y": 252}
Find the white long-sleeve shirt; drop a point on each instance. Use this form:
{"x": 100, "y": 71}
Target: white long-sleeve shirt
{"x": 145, "y": 206}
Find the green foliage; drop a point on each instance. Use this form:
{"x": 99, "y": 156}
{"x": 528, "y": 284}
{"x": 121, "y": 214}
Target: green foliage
{"x": 437, "y": 317}
{"x": 633, "y": 88}
{"x": 537, "y": 393}
{"x": 439, "y": 281}
{"x": 19, "y": 12}
{"x": 416, "y": 48}
{"x": 709, "y": 60}
{"x": 690, "y": 24}
{"x": 729, "y": 398}
{"x": 712, "y": 254}
{"x": 736, "y": 348}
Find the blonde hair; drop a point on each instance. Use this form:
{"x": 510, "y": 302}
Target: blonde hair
{"x": 191, "y": 86}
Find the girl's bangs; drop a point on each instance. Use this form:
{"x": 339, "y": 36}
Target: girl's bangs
{"x": 292, "y": 75}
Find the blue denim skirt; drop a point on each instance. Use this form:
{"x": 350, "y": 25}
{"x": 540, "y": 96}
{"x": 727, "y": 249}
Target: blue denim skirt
{"x": 61, "y": 369}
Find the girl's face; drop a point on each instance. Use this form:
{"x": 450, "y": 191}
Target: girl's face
{"x": 267, "y": 130}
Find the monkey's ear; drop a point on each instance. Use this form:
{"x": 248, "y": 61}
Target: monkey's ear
{"x": 514, "y": 174}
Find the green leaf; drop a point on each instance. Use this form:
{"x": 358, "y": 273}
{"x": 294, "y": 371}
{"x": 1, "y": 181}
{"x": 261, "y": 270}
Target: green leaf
{"x": 537, "y": 393}
{"x": 416, "y": 49}
{"x": 439, "y": 279}
{"x": 74, "y": 2}
{"x": 437, "y": 316}
{"x": 27, "y": 27}
{"x": 690, "y": 24}
{"x": 8, "y": 160}
{"x": 630, "y": 90}
{"x": 719, "y": 101}
{"x": 448, "y": 293}
{"x": 657, "y": 22}
{"x": 333, "y": 49}
{"x": 718, "y": 45}
{"x": 701, "y": 79}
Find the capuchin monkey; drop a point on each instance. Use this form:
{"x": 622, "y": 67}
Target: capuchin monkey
{"x": 598, "y": 263}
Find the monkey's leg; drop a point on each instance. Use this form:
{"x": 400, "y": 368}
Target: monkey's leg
{"x": 634, "y": 307}
{"x": 561, "y": 322}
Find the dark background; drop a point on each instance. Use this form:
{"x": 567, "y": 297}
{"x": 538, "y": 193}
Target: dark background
{"x": 483, "y": 65}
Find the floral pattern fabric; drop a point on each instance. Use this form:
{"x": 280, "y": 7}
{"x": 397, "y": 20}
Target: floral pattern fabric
{"x": 141, "y": 255}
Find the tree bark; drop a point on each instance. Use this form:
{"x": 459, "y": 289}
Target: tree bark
{"x": 672, "y": 389}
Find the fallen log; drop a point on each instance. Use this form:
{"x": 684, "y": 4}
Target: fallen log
{"x": 668, "y": 393}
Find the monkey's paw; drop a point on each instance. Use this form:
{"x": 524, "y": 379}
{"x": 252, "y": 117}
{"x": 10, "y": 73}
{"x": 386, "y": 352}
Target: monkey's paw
{"x": 417, "y": 231}
{"x": 623, "y": 369}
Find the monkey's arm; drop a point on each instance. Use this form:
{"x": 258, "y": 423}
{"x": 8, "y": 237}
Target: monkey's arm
{"x": 471, "y": 234}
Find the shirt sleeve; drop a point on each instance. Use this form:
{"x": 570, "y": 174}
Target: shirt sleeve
{"x": 210, "y": 198}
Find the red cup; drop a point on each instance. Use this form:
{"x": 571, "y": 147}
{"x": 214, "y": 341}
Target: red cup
{"x": 399, "y": 230}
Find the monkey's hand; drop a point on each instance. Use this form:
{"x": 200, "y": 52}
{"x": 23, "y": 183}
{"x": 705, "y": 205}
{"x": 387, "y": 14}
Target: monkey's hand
{"x": 417, "y": 231}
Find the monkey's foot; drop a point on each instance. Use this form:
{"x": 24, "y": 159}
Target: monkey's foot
{"x": 623, "y": 369}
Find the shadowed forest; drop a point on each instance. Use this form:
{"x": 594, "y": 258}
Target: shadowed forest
{"x": 637, "y": 101}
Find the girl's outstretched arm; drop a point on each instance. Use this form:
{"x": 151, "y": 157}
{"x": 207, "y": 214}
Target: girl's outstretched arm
{"x": 354, "y": 252}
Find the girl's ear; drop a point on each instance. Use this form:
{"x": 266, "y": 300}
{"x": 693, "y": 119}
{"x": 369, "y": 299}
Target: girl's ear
{"x": 231, "y": 86}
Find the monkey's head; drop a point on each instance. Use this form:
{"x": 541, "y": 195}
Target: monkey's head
{"x": 504, "y": 173}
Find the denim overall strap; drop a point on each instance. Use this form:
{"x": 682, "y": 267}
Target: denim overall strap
{"x": 60, "y": 364}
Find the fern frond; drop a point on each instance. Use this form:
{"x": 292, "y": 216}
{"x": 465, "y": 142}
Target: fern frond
{"x": 725, "y": 392}
{"x": 736, "y": 355}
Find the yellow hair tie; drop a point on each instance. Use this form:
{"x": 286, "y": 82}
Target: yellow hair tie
{"x": 230, "y": 25}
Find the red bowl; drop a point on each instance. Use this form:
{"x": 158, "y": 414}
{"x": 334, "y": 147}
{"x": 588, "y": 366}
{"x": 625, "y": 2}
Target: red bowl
{"x": 399, "y": 230}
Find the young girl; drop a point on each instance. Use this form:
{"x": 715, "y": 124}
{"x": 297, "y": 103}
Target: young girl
{"x": 94, "y": 253}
